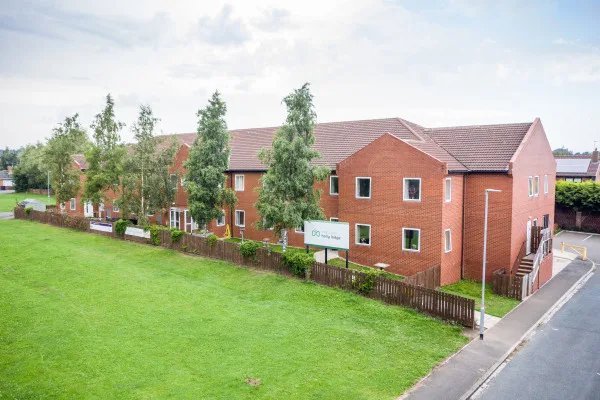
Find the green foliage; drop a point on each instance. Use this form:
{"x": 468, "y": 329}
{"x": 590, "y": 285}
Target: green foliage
{"x": 584, "y": 196}
{"x": 287, "y": 196}
{"x": 365, "y": 286}
{"x": 495, "y": 304}
{"x": 145, "y": 183}
{"x": 563, "y": 151}
{"x": 67, "y": 139}
{"x": 248, "y": 248}
{"x": 105, "y": 157}
{"x": 206, "y": 164}
{"x": 176, "y": 234}
{"x": 120, "y": 226}
{"x": 32, "y": 171}
{"x": 8, "y": 157}
{"x": 298, "y": 262}
{"x": 155, "y": 234}
{"x": 212, "y": 239}
{"x": 28, "y": 210}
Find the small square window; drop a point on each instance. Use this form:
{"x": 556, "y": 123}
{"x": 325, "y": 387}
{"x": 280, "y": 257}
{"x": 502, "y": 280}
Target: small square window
{"x": 73, "y": 204}
{"x": 363, "y": 234}
{"x": 240, "y": 218}
{"x": 412, "y": 189}
{"x": 448, "y": 240}
{"x": 448, "y": 190}
{"x": 333, "y": 185}
{"x": 334, "y": 219}
{"x": 299, "y": 229}
{"x": 363, "y": 188}
{"x": 411, "y": 239}
{"x": 221, "y": 219}
{"x": 239, "y": 183}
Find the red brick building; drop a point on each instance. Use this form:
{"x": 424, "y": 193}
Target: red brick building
{"x": 413, "y": 196}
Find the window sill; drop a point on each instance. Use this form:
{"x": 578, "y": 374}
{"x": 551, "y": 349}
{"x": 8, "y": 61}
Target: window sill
{"x": 363, "y": 198}
{"x": 412, "y": 200}
{"x": 363, "y": 244}
{"x": 411, "y": 250}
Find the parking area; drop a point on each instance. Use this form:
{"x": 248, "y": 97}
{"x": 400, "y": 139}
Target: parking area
{"x": 590, "y": 240}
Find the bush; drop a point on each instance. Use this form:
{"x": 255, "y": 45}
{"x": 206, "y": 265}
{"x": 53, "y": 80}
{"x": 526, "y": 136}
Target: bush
{"x": 299, "y": 263}
{"x": 248, "y": 248}
{"x": 121, "y": 226}
{"x": 28, "y": 210}
{"x": 176, "y": 235}
{"x": 584, "y": 196}
{"x": 366, "y": 286}
{"x": 212, "y": 239}
{"x": 155, "y": 234}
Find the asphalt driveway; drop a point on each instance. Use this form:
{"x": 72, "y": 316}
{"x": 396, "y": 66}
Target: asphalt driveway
{"x": 589, "y": 240}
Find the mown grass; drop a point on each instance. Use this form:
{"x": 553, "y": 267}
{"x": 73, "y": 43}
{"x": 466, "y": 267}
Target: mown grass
{"x": 86, "y": 316}
{"x": 8, "y": 201}
{"x": 495, "y": 304}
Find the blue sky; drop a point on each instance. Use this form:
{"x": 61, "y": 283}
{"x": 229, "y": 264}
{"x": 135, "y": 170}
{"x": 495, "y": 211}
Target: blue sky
{"x": 435, "y": 63}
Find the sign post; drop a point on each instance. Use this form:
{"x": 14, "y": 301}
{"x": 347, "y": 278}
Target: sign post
{"x": 327, "y": 235}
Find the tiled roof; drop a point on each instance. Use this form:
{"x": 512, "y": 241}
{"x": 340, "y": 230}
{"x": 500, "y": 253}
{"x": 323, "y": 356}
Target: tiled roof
{"x": 478, "y": 148}
{"x": 590, "y": 168}
{"x": 4, "y": 174}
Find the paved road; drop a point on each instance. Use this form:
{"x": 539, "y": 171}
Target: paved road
{"x": 562, "y": 358}
{"x": 589, "y": 240}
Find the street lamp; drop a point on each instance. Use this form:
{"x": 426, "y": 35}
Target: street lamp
{"x": 485, "y": 221}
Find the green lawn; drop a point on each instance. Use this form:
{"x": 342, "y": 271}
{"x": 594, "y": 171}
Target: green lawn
{"x": 9, "y": 200}
{"x": 86, "y": 316}
{"x": 495, "y": 304}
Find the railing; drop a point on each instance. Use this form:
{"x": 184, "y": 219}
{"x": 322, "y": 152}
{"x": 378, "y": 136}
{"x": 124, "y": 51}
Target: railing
{"x": 543, "y": 249}
{"x": 581, "y": 250}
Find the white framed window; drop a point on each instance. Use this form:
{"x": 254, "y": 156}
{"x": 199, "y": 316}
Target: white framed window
{"x": 412, "y": 189}
{"x": 115, "y": 208}
{"x": 411, "y": 239}
{"x": 363, "y": 234}
{"x": 448, "y": 190}
{"x": 240, "y": 218}
{"x": 363, "y": 187}
{"x": 577, "y": 180}
{"x": 299, "y": 229}
{"x": 334, "y": 189}
{"x": 174, "y": 180}
{"x": 334, "y": 219}
{"x": 448, "y": 240}
{"x": 530, "y": 181}
{"x": 536, "y": 186}
{"x": 73, "y": 204}
{"x": 545, "y": 184}
{"x": 239, "y": 183}
{"x": 221, "y": 219}
{"x": 62, "y": 205}
{"x": 182, "y": 181}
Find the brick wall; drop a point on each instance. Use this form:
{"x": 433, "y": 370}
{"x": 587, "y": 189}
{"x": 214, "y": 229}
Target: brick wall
{"x": 452, "y": 219}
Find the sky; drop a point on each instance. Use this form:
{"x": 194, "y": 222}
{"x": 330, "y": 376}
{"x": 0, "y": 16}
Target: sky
{"x": 436, "y": 63}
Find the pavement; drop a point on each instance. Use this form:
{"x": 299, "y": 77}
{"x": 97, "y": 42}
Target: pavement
{"x": 6, "y": 215}
{"x": 463, "y": 373}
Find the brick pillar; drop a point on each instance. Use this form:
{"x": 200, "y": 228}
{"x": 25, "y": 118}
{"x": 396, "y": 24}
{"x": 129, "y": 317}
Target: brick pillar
{"x": 578, "y": 219}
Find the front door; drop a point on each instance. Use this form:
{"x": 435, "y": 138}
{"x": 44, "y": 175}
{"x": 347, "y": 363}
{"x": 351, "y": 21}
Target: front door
{"x": 528, "y": 238}
{"x": 174, "y": 220}
{"x": 88, "y": 209}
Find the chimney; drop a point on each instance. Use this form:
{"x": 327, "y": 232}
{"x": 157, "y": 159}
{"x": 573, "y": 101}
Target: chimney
{"x": 595, "y": 155}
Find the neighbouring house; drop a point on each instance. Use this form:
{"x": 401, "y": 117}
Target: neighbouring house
{"x": 578, "y": 168}
{"x": 413, "y": 196}
{"x": 6, "y": 179}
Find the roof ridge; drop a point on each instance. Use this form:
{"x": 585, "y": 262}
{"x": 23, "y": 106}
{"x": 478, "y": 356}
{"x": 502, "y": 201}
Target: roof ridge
{"x": 478, "y": 126}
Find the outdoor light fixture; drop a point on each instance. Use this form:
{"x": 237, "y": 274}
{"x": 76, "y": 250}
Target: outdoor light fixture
{"x": 485, "y": 220}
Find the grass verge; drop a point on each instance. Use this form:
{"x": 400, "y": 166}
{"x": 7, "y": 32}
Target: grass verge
{"x": 495, "y": 304}
{"x": 8, "y": 201}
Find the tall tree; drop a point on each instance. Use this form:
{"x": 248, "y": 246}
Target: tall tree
{"x": 287, "y": 196}
{"x": 31, "y": 172}
{"x": 105, "y": 156}
{"x": 146, "y": 184}
{"x": 67, "y": 138}
{"x": 8, "y": 158}
{"x": 207, "y": 163}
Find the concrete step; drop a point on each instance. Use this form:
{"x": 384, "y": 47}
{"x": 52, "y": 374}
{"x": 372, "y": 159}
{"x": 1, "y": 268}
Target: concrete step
{"x": 526, "y": 262}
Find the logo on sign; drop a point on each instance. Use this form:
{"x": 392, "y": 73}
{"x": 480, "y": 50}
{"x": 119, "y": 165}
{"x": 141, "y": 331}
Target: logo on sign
{"x": 316, "y": 233}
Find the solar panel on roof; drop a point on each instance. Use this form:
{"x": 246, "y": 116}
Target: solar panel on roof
{"x": 577, "y": 165}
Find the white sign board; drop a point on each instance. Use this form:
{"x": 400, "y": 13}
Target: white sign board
{"x": 332, "y": 235}
{"x": 101, "y": 226}
{"x": 139, "y": 232}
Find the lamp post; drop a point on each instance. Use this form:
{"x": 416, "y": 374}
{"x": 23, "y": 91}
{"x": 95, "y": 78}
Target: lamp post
{"x": 485, "y": 225}
{"x": 48, "y": 184}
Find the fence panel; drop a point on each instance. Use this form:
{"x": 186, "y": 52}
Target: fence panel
{"x": 430, "y": 278}
{"x": 507, "y": 285}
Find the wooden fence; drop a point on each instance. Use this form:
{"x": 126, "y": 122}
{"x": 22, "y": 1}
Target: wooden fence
{"x": 438, "y": 304}
{"x": 507, "y": 285}
{"x": 430, "y": 278}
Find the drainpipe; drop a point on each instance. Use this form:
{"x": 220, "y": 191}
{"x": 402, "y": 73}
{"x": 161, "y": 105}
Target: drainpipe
{"x": 231, "y": 208}
{"x": 462, "y": 248}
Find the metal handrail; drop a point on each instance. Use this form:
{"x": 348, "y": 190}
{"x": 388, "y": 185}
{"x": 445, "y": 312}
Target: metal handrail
{"x": 539, "y": 255}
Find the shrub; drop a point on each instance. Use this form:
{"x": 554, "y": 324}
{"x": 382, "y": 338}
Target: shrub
{"x": 176, "y": 235}
{"x": 155, "y": 234}
{"x": 121, "y": 226}
{"x": 28, "y": 210}
{"x": 299, "y": 263}
{"x": 212, "y": 239}
{"x": 365, "y": 286}
{"x": 248, "y": 248}
{"x": 584, "y": 196}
